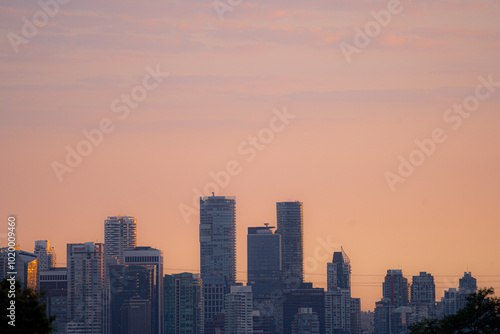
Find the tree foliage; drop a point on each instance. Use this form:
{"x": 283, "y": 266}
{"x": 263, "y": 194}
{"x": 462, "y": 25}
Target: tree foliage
{"x": 481, "y": 315}
{"x": 30, "y": 316}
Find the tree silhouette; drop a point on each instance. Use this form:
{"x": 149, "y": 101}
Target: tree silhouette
{"x": 481, "y": 315}
{"x": 30, "y": 316}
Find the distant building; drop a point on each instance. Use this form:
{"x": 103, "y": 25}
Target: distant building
{"x": 183, "y": 304}
{"x": 46, "y": 255}
{"x": 450, "y": 302}
{"x": 218, "y": 237}
{"x": 120, "y": 234}
{"x": 305, "y": 322}
{"x": 129, "y": 282}
{"x": 342, "y": 312}
{"x": 304, "y": 297}
{"x": 26, "y": 267}
{"x": 263, "y": 261}
{"x": 467, "y": 286}
{"x": 148, "y": 256}
{"x": 239, "y": 310}
{"x": 85, "y": 287}
{"x": 53, "y": 284}
{"x": 290, "y": 220}
{"x": 392, "y": 313}
{"x": 423, "y": 297}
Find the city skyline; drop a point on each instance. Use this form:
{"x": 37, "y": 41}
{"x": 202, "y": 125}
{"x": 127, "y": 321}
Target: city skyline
{"x": 338, "y": 254}
{"x": 383, "y": 120}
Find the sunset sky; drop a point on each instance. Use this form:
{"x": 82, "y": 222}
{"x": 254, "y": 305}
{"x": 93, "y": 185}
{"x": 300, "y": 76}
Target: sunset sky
{"x": 229, "y": 75}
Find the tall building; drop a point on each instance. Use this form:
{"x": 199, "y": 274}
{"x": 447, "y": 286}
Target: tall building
{"x": 304, "y": 297}
{"x": 148, "y": 256}
{"x": 183, "y": 304}
{"x": 339, "y": 272}
{"x": 290, "y": 221}
{"x": 342, "y": 312}
{"x": 395, "y": 288}
{"x": 46, "y": 255}
{"x": 392, "y": 313}
{"x": 263, "y": 261}
{"x": 305, "y": 322}
{"x": 239, "y": 310}
{"x": 85, "y": 287}
{"x": 129, "y": 282}
{"x": 450, "y": 302}
{"x": 466, "y": 286}
{"x": 120, "y": 234}
{"x": 54, "y": 285}
{"x": 218, "y": 237}
{"x": 423, "y": 297}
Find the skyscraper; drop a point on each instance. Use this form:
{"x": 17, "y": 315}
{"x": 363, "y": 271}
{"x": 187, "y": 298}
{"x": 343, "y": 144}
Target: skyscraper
{"x": 148, "y": 256}
{"x": 120, "y": 234}
{"x": 218, "y": 237}
{"x": 183, "y": 304}
{"x": 291, "y": 227}
{"x": 395, "y": 288}
{"x": 423, "y": 297}
{"x": 54, "y": 284}
{"x": 392, "y": 313}
{"x": 85, "y": 287}
{"x": 263, "y": 261}
{"x": 128, "y": 282}
{"x": 239, "y": 310}
{"x": 338, "y": 309}
{"x": 46, "y": 255}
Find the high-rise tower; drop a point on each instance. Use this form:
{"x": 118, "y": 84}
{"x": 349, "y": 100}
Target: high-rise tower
{"x": 85, "y": 287}
{"x": 291, "y": 227}
{"x": 120, "y": 234}
{"x": 218, "y": 237}
{"x": 263, "y": 261}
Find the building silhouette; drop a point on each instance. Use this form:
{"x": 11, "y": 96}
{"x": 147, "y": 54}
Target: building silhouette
{"x": 392, "y": 313}
{"x": 183, "y": 304}
{"x": 85, "y": 287}
{"x": 153, "y": 258}
{"x": 423, "y": 297}
{"x": 290, "y": 221}
{"x": 263, "y": 261}
{"x": 218, "y": 237}
{"x": 53, "y": 283}
{"x": 304, "y": 297}
{"x": 120, "y": 234}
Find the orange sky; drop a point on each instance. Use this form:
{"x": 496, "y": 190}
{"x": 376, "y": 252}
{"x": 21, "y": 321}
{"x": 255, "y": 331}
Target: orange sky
{"x": 351, "y": 123}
